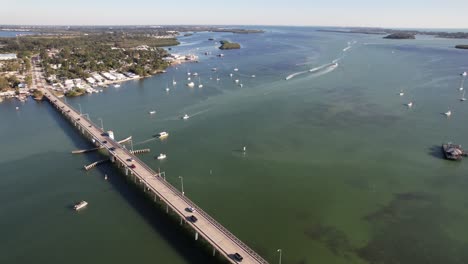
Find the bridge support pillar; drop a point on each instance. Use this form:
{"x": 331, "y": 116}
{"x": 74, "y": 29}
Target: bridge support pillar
{"x": 181, "y": 219}
{"x": 214, "y": 251}
{"x": 167, "y": 208}
{"x": 126, "y": 171}
{"x": 196, "y": 235}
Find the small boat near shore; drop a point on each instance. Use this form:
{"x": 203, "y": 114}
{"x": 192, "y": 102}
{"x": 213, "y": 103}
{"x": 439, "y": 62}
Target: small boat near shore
{"x": 161, "y": 156}
{"x": 116, "y": 85}
{"x": 185, "y": 117}
{"x": 152, "y": 112}
{"x": 80, "y": 205}
{"x": 163, "y": 134}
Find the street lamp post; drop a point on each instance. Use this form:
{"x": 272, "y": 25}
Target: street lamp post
{"x": 102, "y": 125}
{"x": 280, "y": 251}
{"x": 182, "y": 183}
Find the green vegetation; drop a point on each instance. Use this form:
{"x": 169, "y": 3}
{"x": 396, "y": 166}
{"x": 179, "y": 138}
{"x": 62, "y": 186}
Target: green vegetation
{"x": 76, "y": 56}
{"x": 37, "y": 94}
{"x": 75, "y": 92}
{"x": 461, "y": 46}
{"x": 28, "y": 80}
{"x": 8, "y": 83}
{"x": 400, "y": 35}
{"x": 226, "y": 45}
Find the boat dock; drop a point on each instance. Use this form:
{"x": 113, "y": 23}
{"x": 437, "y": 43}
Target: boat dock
{"x": 223, "y": 242}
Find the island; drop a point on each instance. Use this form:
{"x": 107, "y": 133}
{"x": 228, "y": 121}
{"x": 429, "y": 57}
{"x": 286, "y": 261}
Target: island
{"x": 461, "y": 46}
{"x": 400, "y": 35}
{"x": 384, "y": 31}
{"x": 226, "y": 45}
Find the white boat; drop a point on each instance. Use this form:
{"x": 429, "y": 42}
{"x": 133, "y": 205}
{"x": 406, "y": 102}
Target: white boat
{"x": 167, "y": 89}
{"x": 448, "y": 113}
{"x": 241, "y": 85}
{"x": 402, "y": 93}
{"x": 161, "y": 156}
{"x": 237, "y": 81}
{"x": 195, "y": 74}
{"x": 200, "y": 85}
{"x": 186, "y": 117}
{"x": 173, "y": 82}
{"x": 217, "y": 79}
{"x": 190, "y": 84}
{"x": 116, "y": 85}
{"x": 253, "y": 76}
{"x": 236, "y": 69}
{"x": 410, "y": 104}
{"x": 464, "y": 73}
{"x": 463, "y": 97}
{"x": 214, "y": 69}
{"x": 17, "y": 108}
{"x": 162, "y": 134}
{"x": 188, "y": 79}
{"x": 152, "y": 112}
{"x": 460, "y": 89}
{"x": 80, "y": 205}
{"x": 231, "y": 74}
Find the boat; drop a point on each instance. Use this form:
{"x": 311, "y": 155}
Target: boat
{"x": 237, "y": 81}
{"x": 80, "y": 205}
{"x": 188, "y": 79}
{"x": 452, "y": 151}
{"x": 163, "y": 134}
{"x": 167, "y": 89}
{"x": 152, "y": 112}
{"x": 200, "y": 85}
{"x": 463, "y": 97}
{"x": 161, "y": 156}
{"x": 173, "y": 82}
{"x": 402, "y": 93}
{"x": 410, "y": 104}
{"x": 190, "y": 84}
{"x": 448, "y": 113}
{"x": 464, "y": 73}
{"x": 241, "y": 85}
{"x": 253, "y": 76}
{"x": 195, "y": 74}
{"x": 231, "y": 74}
{"x": 217, "y": 78}
{"x": 186, "y": 117}
{"x": 460, "y": 89}
{"x": 17, "y": 108}
{"x": 116, "y": 85}
{"x": 221, "y": 55}
{"x": 214, "y": 69}
{"x": 236, "y": 69}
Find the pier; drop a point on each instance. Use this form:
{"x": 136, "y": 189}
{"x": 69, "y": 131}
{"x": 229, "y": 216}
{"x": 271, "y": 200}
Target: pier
{"x": 222, "y": 241}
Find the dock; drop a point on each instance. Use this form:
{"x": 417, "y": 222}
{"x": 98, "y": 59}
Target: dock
{"x": 221, "y": 239}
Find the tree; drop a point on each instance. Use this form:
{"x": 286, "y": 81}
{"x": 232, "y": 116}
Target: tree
{"x": 28, "y": 80}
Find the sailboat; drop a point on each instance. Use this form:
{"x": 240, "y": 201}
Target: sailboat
{"x": 410, "y": 104}
{"x": 463, "y": 97}
{"x": 448, "y": 113}
{"x": 464, "y": 73}
{"x": 173, "y": 82}
{"x": 200, "y": 85}
{"x": 402, "y": 93}
{"x": 217, "y": 78}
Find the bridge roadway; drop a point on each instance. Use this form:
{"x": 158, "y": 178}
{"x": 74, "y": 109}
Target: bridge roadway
{"x": 218, "y": 236}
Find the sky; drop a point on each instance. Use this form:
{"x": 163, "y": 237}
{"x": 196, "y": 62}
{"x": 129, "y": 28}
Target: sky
{"x": 345, "y": 13}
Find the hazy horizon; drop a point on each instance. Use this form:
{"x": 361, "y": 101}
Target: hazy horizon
{"x": 334, "y": 13}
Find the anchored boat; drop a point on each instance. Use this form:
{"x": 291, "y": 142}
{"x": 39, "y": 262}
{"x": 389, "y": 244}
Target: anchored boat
{"x": 452, "y": 151}
{"x": 80, "y": 205}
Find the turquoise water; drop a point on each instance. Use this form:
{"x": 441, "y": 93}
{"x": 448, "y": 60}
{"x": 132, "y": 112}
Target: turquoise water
{"x": 337, "y": 168}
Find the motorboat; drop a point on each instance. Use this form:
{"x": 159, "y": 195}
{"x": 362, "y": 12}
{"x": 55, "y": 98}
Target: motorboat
{"x": 186, "y": 117}
{"x": 152, "y": 112}
{"x": 80, "y": 205}
{"x": 410, "y": 104}
{"x": 448, "y": 113}
{"x": 190, "y": 84}
{"x": 161, "y": 156}
{"x": 163, "y": 134}
{"x": 116, "y": 85}
{"x": 402, "y": 93}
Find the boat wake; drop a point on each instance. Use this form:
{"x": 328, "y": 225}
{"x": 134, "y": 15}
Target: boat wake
{"x": 294, "y": 75}
{"x": 347, "y": 48}
{"x": 201, "y": 112}
{"x": 145, "y": 141}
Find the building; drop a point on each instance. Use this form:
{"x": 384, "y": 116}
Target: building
{"x": 8, "y": 56}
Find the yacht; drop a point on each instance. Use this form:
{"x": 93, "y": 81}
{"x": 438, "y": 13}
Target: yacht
{"x": 464, "y": 73}
{"x": 214, "y": 69}
{"x": 237, "y": 81}
{"x": 448, "y": 113}
{"x": 80, "y": 205}
{"x": 236, "y": 69}
{"x": 161, "y": 156}
{"x": 186, "y": 117}
{"x": 116, "y": 85}
{"x": 17, "y": 108}
{"x": 195, "y": 74}
{"x": 460, "y": 89}
{"x": 217, "y": 78}
{"x": 190, "y": 84}
{"x": 402, "y": 93}
{"x": 410, "y": 104}
{"x": 162, "y": 134}
{"x": 152, "y": 112}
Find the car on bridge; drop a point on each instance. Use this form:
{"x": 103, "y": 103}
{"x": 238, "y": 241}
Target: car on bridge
{"x": 132, "y": 166}
{"x": 112, "y": 149}
{"x": 190, "y": 209}
{"x": 238, "y": 257}
{"x": 193, "y": 219}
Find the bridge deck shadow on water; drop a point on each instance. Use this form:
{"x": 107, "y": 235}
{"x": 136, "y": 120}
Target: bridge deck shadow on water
{"x": 177, "y": 236}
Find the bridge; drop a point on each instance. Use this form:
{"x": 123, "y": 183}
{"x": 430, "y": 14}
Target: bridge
{"x": 221, "y": 239}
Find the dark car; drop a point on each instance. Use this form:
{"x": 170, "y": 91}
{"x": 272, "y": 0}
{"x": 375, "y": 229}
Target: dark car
{"x": 112, "y": 149}
{"x": 132, "y": 166}
{"x": 104, "y": 142}
{"x": 68, "y": 111}
{"x": 55, "y": 100}
{"x": 238, "y": 257}
{"x": 78, "y": 119}
{"x": 129, "y": 159}
{"x": 193, "y": 218}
